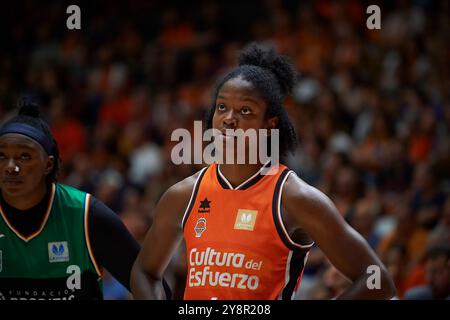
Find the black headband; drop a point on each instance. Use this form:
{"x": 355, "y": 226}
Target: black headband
{"x": 31, "y": 132}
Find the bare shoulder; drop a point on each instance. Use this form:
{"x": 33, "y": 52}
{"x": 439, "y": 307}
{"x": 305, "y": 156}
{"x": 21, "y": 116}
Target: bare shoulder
{"x": 175, "y": 200}
{"x": 305, "y": 202}
{"x": 183, "y": 188}
{"x": 304, "y": 194}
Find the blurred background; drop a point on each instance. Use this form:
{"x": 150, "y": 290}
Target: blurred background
{"x": 371, "y": 109}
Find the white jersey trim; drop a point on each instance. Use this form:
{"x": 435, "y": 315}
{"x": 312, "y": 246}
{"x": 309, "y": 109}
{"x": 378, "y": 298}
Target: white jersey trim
{"x": 280, "y": 220}
{"x": 183, "y": 221}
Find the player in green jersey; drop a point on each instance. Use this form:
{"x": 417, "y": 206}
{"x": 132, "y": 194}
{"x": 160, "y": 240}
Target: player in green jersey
{"x": 54, "y": 239}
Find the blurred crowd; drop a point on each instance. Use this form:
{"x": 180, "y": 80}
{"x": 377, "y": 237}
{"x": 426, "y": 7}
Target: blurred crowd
{"x": 371, "y": 109}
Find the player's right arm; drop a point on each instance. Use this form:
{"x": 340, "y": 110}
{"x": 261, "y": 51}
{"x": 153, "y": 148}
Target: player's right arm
{"x": 162, "y": 239}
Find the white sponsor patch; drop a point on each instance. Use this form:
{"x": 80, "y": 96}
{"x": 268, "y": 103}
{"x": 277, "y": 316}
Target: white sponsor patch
{"x": 58, "y": 251}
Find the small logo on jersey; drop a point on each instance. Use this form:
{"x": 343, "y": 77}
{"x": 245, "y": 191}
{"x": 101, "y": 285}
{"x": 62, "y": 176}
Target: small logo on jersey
{"x": 245, "y": 219}
{"x": 2, "y": 235}
{"x": 200, "y": 227}
{"x": 204, "y": 206}
{"x": 58, "y": 251}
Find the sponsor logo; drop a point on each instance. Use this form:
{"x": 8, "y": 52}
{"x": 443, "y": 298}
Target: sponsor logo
{"x": 223, "y": 269}
{"x": 22, "y": 290}
{"x": 205, "y": 206}
{"x": 58, "y": 251}
{"x": 30, "y": 294}
{"x": 245, "y": 219}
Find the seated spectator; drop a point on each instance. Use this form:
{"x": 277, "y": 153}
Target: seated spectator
{"x": 438, "y": 275}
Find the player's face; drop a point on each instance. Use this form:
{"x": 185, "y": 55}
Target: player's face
{"x": 24, "y": 166}
{"x": 239, "y": 106}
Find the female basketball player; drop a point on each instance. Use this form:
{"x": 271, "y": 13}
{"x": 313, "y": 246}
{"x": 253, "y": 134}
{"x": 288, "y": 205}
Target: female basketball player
{"x": 247, "y": 235}
{"x": 54, "y": 239}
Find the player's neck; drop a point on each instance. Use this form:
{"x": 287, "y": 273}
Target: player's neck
{"x": 25, "y": 201}
{"x": 238, "y": 173}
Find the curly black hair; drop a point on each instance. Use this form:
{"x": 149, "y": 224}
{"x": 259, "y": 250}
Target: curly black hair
{"x": 273, "y": 76}
{"x": 29, "y": 114}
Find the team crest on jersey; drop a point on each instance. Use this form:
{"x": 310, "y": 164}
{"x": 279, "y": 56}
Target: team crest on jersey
{"x": 58, "y": 251}
{"x": 200, "y": 227}
{"x": 245, "y": 219}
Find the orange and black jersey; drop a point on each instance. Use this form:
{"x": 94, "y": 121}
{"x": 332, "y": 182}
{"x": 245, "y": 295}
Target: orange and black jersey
{"x": 236, "y": 244}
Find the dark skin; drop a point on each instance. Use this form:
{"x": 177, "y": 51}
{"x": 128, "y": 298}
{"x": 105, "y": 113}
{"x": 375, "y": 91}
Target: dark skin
{"x": 24, "y": 170}
{"x": 26, "y": 187}
{"x": 238, "y": 105}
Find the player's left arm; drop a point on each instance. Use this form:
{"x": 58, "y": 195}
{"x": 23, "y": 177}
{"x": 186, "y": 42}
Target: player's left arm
{"x": 113, "y": 246}
{"x": 346, "y": 249}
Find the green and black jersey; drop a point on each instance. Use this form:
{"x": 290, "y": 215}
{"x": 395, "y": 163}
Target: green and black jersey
{"x": 56, "y": 261}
